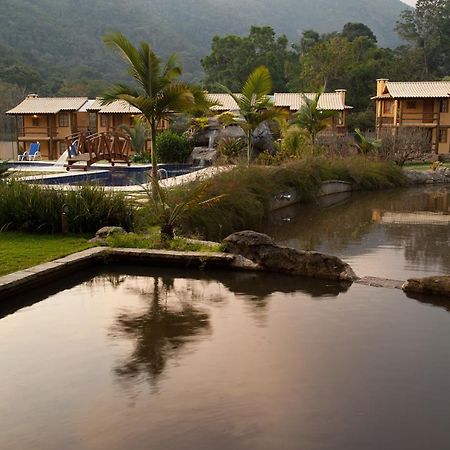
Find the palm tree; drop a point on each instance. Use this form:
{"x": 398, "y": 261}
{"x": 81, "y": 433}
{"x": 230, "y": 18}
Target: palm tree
{"x": 169, "y": 214}
{"x": 255, "y": 105}
{"x": 156, "y": 90}
{"x": 365, "y": 145}
{"x": 312, "y": 119}
{"x": 137, "y": 133}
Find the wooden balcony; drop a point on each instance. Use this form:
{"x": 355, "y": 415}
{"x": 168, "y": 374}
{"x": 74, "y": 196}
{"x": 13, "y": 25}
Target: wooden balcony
{"x": 418, "y": 119}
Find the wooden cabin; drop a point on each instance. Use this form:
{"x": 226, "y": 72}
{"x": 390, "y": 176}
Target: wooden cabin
{"x": 111, "y": 117}
{"x": 48, "y": 120}
{"x": 292, "y": 102}
{"x": 423, "y": 104}
{"x": 328, "y": 101}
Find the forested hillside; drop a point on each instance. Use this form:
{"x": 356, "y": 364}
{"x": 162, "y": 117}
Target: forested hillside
{"x": 54, "y": 46}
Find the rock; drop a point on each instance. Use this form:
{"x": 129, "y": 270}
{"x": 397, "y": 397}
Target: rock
{"x": 441, "y": 175}
{"x": 437, "y": 285}
{"x": 263, "y": 139}
{"x": 104, "y": 232}
{"x": 231, "y": 132}
{"x": 202, "y": 156}
{"x": 263, "y": 250}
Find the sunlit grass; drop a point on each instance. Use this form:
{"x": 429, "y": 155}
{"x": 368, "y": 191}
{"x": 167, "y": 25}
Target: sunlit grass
{"x": 19, "y": 251}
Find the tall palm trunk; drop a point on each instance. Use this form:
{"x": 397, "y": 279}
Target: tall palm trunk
{"x": 249, "y": 147}
{"x": 153, "y": 126}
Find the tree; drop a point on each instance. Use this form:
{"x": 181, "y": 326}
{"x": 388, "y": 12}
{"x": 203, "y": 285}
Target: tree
{"x": 232, "y": 58}
{"x": 327, "y": 62}
{"x": 312, "y": 119}
{"x": 353, "y": 30}
{"x": 255, "y": 105}
{"x": 156, "y": 90}
{"x": 427, "y": 27}
{"x": 138, "y": 134}
{"x": 366, "y": 145}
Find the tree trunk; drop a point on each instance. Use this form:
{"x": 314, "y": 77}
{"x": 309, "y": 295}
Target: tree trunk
{"x": 154, "y": 160}
{"x": 167, "y": 232}
{"x": 249, "y": 147}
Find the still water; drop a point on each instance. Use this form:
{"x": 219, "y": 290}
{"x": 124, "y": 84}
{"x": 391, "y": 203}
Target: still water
{"x": 395, "y": 234}
{"x": 159, "y": 359}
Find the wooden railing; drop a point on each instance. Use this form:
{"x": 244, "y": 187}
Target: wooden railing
{"x": 91, "y": 148}
{"x": 415, "y": 119}
{"x": 45, "y": 132}
{"x": 418, "y": 118}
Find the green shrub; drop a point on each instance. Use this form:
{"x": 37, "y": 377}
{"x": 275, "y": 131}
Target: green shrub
{"x": 172, "y": 148}
{"x": 152, "y": 239}
{"x": 250, "y": 191}
{"x": 26, "y": 207}
{"x": 231, "y": 150}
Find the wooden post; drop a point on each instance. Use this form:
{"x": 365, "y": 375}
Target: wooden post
{"x": 17, "y": 133}
{"x": 438, "y": 127}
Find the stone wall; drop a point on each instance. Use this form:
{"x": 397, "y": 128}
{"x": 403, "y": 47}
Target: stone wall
{"x": 8, "y": 150}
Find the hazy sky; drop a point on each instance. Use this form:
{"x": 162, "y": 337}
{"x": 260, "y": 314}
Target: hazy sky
{"x": 409, "y": 2}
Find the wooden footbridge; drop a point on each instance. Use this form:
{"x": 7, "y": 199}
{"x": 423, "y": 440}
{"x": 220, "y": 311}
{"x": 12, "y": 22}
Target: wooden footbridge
{"x": 89, "y": 148}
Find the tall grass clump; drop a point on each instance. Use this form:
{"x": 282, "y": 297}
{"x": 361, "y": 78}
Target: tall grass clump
{"x": 26, "y": 207}
{"x": 250, "y": 191}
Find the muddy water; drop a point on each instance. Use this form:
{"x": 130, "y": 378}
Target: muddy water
{"x": 158, "y": 359}
{"x": 393, "y": 234}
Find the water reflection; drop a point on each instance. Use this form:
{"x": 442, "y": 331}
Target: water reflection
{"x": 176, "y": 314}
{"x": 432, "y": 300}
{"x": 161, "y": 332}
{"x": 395, "y": 234}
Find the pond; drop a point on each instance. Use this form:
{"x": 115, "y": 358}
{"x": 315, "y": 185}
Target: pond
{"x": 162, "y": 358}
{"x": 126, "y": 358}
{"x": 395, "y": 234}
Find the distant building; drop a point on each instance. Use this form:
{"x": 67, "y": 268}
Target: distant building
{"x": 328, "y": 101}
{"x": 292, "y": 102}
{"x": 48, "y": 120}
{"x": 224, "y": 103}
{"x": 423, "y": 104}
{"x": 111, "y": 117}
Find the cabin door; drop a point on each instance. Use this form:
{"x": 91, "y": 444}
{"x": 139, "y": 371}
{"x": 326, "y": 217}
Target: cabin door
{"x": 428, "y": 108}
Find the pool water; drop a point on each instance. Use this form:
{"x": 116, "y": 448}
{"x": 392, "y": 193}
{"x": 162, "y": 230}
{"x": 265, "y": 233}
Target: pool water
{"x": 127, "y": 358}
{"x": 397, "y": 234}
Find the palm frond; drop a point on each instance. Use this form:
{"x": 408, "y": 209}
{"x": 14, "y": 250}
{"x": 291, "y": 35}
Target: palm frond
{"x": 258, "y": 85}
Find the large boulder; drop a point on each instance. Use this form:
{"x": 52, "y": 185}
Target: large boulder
{"x": 263, "y": 139}
{"x": 202, "y": 156}
{"x": 263, "y": 250}
{"x": 231, "y": 132}
{"x": 437, "y": 285}
{"x": 104, "y": 232}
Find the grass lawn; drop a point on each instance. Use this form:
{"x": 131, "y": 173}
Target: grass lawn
{"x": 19, "y": 251}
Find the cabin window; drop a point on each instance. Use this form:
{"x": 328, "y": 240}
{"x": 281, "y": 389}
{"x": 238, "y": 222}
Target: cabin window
{"x": 62, "y": 147}
{"x": 388, "y": 107}
{"x": 35, "y": 121}
{"x": 63, "y": 120}
{"x": 103, "y": 120}
{"x": 444, "y": 105}
{"x": 443, "y": 134}
{"x": 411, "y": 104}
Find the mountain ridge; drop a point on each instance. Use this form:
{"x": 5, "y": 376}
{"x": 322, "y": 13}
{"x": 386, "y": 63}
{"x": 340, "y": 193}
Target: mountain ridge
{"x": 66, "y": 34}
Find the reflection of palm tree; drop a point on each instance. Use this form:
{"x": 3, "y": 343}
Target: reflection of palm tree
{"x": 160, "y": 332}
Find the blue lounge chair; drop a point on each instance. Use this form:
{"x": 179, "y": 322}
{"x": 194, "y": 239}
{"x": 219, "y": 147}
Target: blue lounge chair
{"x": 73, "y": 151}
{"x": 34, "y": 151}
{"x": 22, "y": 156}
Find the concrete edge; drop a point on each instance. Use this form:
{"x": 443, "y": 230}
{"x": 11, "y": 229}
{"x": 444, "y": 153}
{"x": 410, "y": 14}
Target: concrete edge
{"x": 18, "y": 282}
